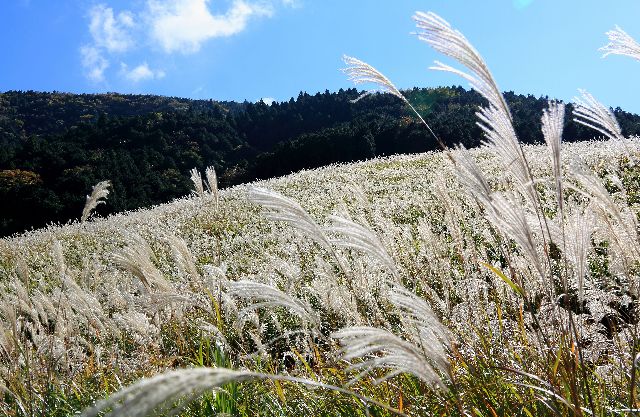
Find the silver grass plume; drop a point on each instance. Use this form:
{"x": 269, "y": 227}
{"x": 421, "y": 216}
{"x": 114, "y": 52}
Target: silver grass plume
{"x": 58, "y": 257}
{"x": 212, "y": 183}
{"x": 472, "y": 177}
{"x": 512, "y": 220}
{"x": 501, "y": 136}
{"x": 552, "y": 126}
{"x": 357, "y": 237}
{"x": 580, "y": 227}
{"x": 163, "y": 392}
{"x": 196, "y": 179}
{"x": 423, "y": 355}
{"x": 439, "y": 34}
{"x": 5, "y": 390}
{"x": 594, "y": 189}
{"x": 620, "y": 43}
{"x": 603, "y": 202}
{"x": 137, "y": 258}
{"x": 267, "y": 296}
{"x": 98, "y": 195}
{"x": 359, "y": 72}
{"x": 495, "y": 120}
{"x": 431, "y": 335}
{"x": 148, "y": 396}
{"x": 183, "y": 256}
{"x": 591, "y": 113}
{"x": 380, "y": 349}
{"x": 6, "y": 341}
{"x": 281, "y": 208}
{"x": 86, "y": 306}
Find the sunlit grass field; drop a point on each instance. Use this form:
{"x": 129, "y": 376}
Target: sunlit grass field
{"x": 90, "y": 307}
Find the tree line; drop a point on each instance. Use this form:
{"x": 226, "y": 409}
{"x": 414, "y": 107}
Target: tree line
{"x": 55, "y": 146}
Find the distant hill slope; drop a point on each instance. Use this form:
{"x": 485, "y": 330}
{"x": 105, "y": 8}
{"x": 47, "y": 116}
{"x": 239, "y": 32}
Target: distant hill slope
{"x": 47, "y": 113}
{"x": 55, "y": 146}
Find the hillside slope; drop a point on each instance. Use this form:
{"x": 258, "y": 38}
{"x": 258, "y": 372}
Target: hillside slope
{"x": 145, "y": 289}
{"x": 54, "y": 147}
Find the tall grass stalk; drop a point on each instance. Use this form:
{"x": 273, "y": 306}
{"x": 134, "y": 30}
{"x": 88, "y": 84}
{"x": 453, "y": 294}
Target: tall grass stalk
{"x": 99, "y": 193}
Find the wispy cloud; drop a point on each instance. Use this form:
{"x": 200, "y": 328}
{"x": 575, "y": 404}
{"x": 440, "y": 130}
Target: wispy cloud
{"x": 111, "y": 31}
{"x": 171, "y": 26}
{"x": 140, "y": 73}
{"x": 184, "y": 25}
{"x": 93, "y": 63}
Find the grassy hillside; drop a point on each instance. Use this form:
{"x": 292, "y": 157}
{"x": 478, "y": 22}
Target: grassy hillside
{"x": 497, "y": 281}
{"x": 91, "y": 306}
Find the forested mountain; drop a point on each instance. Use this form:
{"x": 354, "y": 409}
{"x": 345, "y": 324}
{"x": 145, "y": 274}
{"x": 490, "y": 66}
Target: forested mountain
{"x": 54, "y": 147}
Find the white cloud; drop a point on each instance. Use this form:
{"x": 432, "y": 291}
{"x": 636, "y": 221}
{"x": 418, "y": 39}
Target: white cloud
{"x": 94, "y": 63}
{"x": 183, "y": 25}
{"x": 109, "y": 31}
{"x": 174, "y": 25}
{"x": 140, "y": 73}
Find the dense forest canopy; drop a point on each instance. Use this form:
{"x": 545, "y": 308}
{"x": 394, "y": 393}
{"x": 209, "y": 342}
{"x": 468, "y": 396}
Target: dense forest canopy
{"x": 55, "y": 146}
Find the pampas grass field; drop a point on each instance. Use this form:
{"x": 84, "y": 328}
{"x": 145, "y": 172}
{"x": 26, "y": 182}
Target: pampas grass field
{"x": 496, "y": 281}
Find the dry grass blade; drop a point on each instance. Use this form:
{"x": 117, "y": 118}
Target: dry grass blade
{"x": 359, "y": 72}
{"x": 98, "y": 195}
{"x": 620, "y": 43}
{"x": 591, "y": 113}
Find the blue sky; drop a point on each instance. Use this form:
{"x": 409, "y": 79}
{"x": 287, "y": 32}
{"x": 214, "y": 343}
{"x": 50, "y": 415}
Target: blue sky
{"x": 252, "y": 49}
